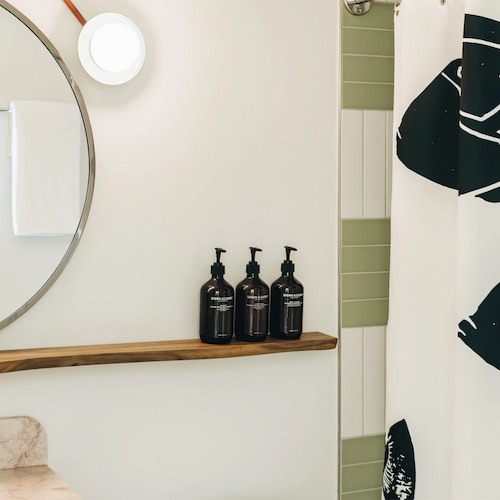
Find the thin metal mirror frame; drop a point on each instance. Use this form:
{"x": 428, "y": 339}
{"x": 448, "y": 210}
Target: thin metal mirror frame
{"x": 91, "y": 155}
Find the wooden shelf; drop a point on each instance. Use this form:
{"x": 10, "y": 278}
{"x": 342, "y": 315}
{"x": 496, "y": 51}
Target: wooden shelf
{"x": 31, "y": 359}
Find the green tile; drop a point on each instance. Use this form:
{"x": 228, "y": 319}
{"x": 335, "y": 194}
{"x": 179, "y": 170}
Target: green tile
{"x": 365, "y": 313}
{"x": 366, "y": 232}
{"x": 363, "y": 495}
{"x": 365, "y": 286}
{"x": 367, "y": 42}
{"x": 367, "y": 69}
{"x": 362, "y": 477}
{"x": 380, "y": 16}
{"x": 368, "y": 96}
{"x": 363, "y": 449}
{"x": 365, "y": 259}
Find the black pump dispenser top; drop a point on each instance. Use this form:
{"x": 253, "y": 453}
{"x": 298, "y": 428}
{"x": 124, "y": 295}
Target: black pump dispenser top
{"x": 218, "y": 268}
{"x": 253, "y": 266}
{"x": 288, "y": 266}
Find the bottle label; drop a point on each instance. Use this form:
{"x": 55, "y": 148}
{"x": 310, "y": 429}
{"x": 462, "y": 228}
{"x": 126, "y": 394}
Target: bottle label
{"x": 258, "y": 302}
{"x": 222, "y": 304}
{"x": 293, "y": 299}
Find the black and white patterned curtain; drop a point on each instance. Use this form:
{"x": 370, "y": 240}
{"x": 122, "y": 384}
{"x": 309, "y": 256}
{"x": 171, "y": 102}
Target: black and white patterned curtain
{"x": 443, "y": 345}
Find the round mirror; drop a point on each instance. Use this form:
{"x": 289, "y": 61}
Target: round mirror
{"x": 47, "y": 164}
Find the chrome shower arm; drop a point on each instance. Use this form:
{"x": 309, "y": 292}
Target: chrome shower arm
{"x": 358, "y": 7}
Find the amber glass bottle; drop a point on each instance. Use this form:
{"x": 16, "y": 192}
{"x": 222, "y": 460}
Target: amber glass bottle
{"x": 217, "y": 306}
{"x": 252, "y": 304}
{"x": 287, "y": 302}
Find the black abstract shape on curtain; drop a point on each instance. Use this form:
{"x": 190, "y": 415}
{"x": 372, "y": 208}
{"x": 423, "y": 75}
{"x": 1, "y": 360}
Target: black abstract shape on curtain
{"x": 450, "y": 134}
{"x": 399, "y": 464}
{"x": 482, "y": 332}
{"x": 428, "y": 137}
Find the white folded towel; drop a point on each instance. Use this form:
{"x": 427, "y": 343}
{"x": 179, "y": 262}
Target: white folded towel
{"x": 45, "y": 167}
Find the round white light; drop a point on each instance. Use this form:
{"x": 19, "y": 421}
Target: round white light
{"x": 111, "y": 48}
{"x": 114, "y": 47}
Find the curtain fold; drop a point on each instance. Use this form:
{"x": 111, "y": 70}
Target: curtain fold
{"x": 443, "y": 339}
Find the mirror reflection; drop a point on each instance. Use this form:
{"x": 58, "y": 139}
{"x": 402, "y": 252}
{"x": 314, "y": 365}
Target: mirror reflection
{"x": 44, "y": 164}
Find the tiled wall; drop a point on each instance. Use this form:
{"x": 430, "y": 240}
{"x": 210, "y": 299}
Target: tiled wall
{"x": 365, "y": 272}
{"x": 366, "y": 170}
{"x": 362, "y": 465}
{"x": 366, "y": 164}
{"x": 368, "y": 58}
{"x": 363, "y": 381}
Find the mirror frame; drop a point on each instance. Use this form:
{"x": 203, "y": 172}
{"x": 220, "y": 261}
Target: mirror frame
{"x": 91, "y": 156}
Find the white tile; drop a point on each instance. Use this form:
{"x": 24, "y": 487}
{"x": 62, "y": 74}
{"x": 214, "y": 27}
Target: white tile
{"x": 374, "y": 380}
{"x": 388, "y": 161}
{"x": 351, "y": 348}
{"x": 374, "y": 165}
{"x": 351, "y": 164}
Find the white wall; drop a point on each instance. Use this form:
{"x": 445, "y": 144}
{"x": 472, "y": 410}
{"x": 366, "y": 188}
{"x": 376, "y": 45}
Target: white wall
{"x": 228, "y": 137}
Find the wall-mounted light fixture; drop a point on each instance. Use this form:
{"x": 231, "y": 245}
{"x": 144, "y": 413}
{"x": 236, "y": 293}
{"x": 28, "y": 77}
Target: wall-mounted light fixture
{"x": 111, "y": 47}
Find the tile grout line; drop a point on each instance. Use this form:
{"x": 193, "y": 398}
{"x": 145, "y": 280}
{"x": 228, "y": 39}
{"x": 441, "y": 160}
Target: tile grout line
{"x": 363, "y": 164}
{"x": 386, "y": 118}
{"x": 367, "y": 55}
{"x": 359, "y": 326}
{"x": 368, "y": 83}
{"x": 385, "y": 374}
{"x": 361, "y": 491}
{"x": 390, "y": 116}
{"x": 385, "y": 163}
{"x": 378, "y": 434}
{"x": 386, "y": 160}
{"x": 366, "y": 300}
{"x": 363, "y": 385}
{"x": 371, "y": 218}
{"x": 364, "y": 272}
{"x": 366, "y": 28}
{"x": 368, "y": 245}
{"x": 341, "y": 78}
{"x": 364, "y": 463}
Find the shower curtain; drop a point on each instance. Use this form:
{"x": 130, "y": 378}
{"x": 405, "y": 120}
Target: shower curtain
{"x": 443, "y": 340}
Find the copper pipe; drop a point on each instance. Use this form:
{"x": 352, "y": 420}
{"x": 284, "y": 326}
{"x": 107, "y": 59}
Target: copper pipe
{"x": 75, "y": 11}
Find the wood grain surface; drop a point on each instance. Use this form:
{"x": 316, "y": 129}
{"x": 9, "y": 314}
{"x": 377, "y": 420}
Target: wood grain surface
{"x": 30, "y": 359}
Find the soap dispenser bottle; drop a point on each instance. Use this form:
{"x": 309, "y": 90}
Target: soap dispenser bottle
{"x": 216, "y": 306}
{"x": 287, "y": 302}
{"x": 252, "y": 304}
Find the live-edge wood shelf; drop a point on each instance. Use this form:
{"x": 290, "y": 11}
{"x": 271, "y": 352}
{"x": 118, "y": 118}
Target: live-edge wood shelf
{"x": 52, "y": 357}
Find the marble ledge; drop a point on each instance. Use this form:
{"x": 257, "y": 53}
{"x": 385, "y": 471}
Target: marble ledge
{"x": 34, "y": 483}
{"x": 23, "y": 443}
